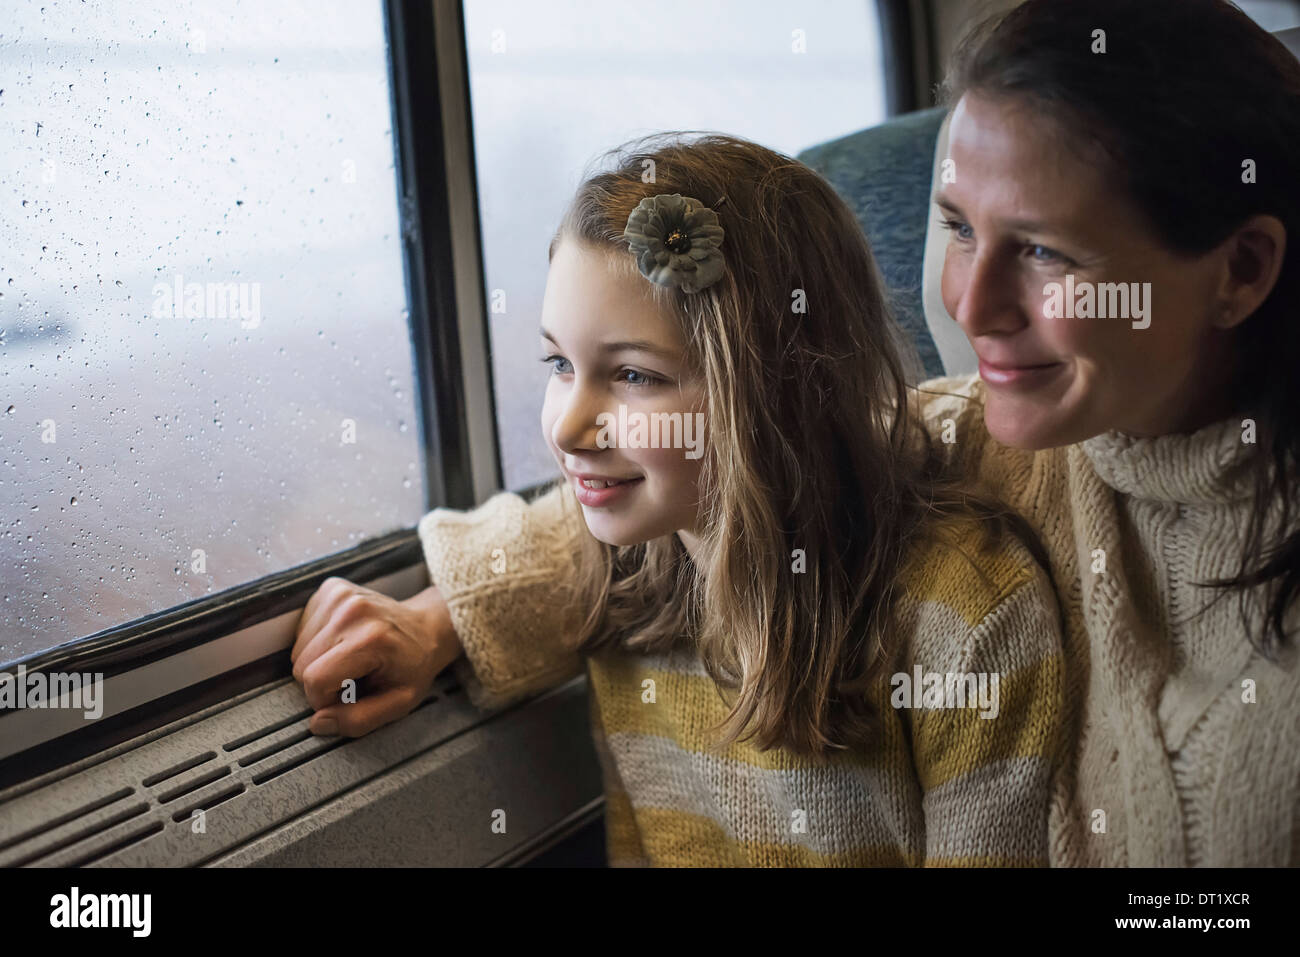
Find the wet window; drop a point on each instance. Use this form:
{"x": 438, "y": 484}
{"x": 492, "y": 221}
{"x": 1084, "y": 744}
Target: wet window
{"x": 554, "y": 85}
{"x": 206, "y": 371}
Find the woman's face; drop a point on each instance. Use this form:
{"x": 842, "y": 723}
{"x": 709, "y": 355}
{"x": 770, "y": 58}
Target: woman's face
{"x": 611, "y": 347}
{"x": 1026, "y": 210}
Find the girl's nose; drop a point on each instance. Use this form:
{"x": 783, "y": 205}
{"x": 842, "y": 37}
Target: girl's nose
{"x": 989, "y": 304}
{"x": 576, "y": 428}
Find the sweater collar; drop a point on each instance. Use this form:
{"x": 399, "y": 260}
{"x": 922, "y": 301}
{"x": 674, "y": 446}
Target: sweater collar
{"x": 1196, "y": 468}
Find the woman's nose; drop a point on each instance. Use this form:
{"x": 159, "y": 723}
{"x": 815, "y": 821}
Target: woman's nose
{"x": 989, "y": 302}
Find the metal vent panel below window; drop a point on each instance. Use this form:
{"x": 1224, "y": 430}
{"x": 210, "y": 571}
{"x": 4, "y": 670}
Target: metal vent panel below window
{"x": 185, "y": 796}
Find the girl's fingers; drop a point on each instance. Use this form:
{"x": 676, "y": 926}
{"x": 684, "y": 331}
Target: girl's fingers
{"x": 367, "y": 714}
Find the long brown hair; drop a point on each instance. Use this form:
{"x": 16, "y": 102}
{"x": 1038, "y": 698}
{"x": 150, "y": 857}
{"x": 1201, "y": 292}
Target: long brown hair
{"x": 1186, "y": 90}
{"x": 812, "y": 449}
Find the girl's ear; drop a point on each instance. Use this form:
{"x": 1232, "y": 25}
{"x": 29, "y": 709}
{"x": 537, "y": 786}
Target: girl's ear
{"x": 1255, "y": 252}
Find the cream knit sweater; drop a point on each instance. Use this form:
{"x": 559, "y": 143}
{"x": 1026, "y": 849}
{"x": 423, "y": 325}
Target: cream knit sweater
{"x": 1188, "y": 742}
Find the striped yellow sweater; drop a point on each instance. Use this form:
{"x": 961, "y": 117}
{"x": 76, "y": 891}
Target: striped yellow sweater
{"x": 943, "y": 786}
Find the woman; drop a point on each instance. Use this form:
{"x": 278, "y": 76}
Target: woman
{"x": 1167, "y": 444}
{"x": 1097, "y": 143}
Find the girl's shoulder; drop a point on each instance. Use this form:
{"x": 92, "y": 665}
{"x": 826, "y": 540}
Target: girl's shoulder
{"x": 968, "y": 597}
{"x": 973, "y": 600}
{"x": 981, "y": 685}
{"x": 963, "y": 564}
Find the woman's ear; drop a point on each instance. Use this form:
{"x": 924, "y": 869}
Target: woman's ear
{"x": 1254, "y": 261}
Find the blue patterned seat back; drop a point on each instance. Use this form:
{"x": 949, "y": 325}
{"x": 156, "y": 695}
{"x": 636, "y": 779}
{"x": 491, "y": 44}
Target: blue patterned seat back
{"x": 884, "y": 175}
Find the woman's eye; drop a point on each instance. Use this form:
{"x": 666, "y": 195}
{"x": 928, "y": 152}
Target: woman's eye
{"x": 1048, "y": 256}
{"x": 559, "y": 365}
{"x": 960, "y": 230}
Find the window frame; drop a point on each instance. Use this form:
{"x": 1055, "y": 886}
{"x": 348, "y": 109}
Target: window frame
{"x": 444, "y": 285}
{"x": 906, "y": 48}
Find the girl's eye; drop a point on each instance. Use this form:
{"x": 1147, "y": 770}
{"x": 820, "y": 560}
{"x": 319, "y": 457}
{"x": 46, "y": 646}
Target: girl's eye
{"x": 638, "y": 378}
{"x": 559, "y": 364}
{"x": 956, "y": 227}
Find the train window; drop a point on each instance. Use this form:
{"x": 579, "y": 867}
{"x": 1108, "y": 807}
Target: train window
{"x": 552, "y": 86}
{"x": 207, "y": 372}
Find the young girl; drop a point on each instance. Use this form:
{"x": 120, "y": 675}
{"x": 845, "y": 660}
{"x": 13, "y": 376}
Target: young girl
{"x": 807, "y": 644}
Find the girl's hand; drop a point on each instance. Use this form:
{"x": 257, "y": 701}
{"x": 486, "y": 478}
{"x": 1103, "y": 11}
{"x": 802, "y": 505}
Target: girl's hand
{"x": 349, "y": 633}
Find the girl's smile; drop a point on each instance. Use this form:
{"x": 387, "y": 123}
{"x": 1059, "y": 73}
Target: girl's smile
{"x": 599, "y": 492}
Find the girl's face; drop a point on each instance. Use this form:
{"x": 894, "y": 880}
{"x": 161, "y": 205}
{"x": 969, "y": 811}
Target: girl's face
{"x": 619, "y": 363}
{"x": 1027, "y": 210}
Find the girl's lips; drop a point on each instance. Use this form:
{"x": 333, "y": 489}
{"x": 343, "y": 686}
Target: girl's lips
{"x": 599, "y": 497}
{"x": 1019, "y": 377}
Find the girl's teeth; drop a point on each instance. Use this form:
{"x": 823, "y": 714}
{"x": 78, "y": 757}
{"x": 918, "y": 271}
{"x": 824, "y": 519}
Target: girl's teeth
{"x": 598, "y": 483}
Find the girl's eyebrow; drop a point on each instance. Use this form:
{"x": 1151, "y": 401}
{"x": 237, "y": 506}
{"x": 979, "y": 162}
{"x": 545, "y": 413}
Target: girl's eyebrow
{"x": 642, "y": 345}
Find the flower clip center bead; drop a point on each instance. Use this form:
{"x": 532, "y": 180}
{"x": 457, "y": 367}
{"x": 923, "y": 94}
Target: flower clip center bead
{"x": 678, "y": 241}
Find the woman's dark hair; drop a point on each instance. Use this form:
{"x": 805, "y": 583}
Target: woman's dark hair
{"x": 1185, "y": 92}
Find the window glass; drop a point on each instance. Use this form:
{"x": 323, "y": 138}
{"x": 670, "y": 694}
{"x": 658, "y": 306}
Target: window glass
{"x": 554, "y": 85}
{"x": 205, "y": 365}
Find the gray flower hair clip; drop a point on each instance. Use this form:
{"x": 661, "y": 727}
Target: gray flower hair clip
{"x": 676, "y": 239}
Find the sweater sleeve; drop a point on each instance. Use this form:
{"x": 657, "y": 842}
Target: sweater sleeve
{"x": 986, "y": 766}
{"x": 951, "y": 409}
{"x": 505, "y": 571}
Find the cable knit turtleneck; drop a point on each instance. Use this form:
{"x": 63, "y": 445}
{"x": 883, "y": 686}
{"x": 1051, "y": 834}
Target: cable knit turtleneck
{"x": 1184, "y": 502}
{"x": 1200, "y": 468}
{"x": 1188, "y": 741}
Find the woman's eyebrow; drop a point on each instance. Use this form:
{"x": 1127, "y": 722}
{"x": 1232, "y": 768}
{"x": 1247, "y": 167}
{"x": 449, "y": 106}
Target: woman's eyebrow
{"x": 1027, "y": 225}
{"x": 941, "y": 200}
